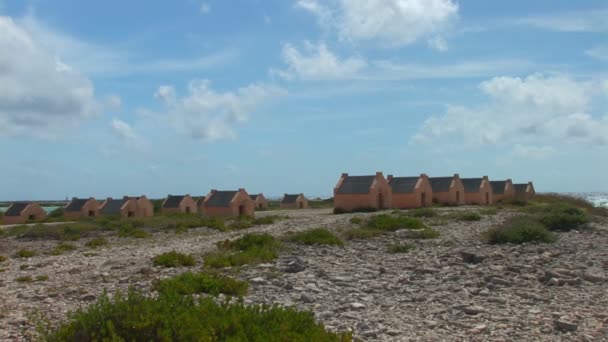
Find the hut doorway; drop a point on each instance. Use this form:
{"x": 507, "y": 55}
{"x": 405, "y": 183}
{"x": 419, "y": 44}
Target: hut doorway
{"x": 380, "y": 201}
{"x": 91, "y": 213}
{"x": 187, "y": 210}
{"x": 487, "y": 198}
{"x": 457, "y": 197}
{"x": 300, "y": 205}
{"x": 423, "y": 199}
{"x": 241, "y": 210}
{"x": 31, "y": 217}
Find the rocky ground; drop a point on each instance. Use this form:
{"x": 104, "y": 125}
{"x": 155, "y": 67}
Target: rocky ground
{"x": 450, "y": 288}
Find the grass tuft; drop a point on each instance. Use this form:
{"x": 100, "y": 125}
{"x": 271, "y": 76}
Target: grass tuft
{"x": 189, "y": 283}
{"x": 97, "y": 242}
{"x": 24, "y": 253}
{"x": 423, "y": 234}
{"x": 318, "y": 236}
{"x": 468, "y": 216}
{"x": 399, "y": 248}
{"x": 3, "y": 258}
{"x": 249, "y": 249}
{"x": 356, "y": 220}
{"x": 174, "y": 259}
{"x": 62, "y": 248}
{"x": 423, "y": 212}
{"x": 24, "y": 279}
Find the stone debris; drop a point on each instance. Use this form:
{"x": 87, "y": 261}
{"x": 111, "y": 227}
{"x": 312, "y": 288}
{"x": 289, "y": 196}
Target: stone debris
{"x": 454, "y": 288}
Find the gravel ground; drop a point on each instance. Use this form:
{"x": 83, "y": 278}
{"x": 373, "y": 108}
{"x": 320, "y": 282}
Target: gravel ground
{"x": 452, "y": 288}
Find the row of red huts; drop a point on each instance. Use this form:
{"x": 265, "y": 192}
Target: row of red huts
{"x": 216, "y": 203}
{"x": 353, "y": 193}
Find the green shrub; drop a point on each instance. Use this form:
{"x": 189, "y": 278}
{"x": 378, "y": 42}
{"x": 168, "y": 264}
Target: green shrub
{"x": 24, "y": 253}
{"x": 400, "y": 248}
{"x": 393, "y": 223}
{"x": 519, "y": 229}
{"x": 423, "y": 212}
{"x": 356, "y": 220}
{"x": 134, "y": 317}
{"x": 57, "y": 213}
{"x": 42, "y": 278}
{"x": 189, "y": 283}
{"x": 3, "y": 258}
{"x": 270, "y": 219}
{"x": 128, "y": 230}
{"x": 319, "y": 236}
{"x": 240, "y": 224}
{"x": 563, "y": 218}
{"x": 174, "y": 259}
{"x": 489, "y": 211}
{"x": 423, "y": 234}
{"x": 97, "y": 242}
{"x": 24, "y": 279}
{"x": 469, "y": 216}
{"x": 62, "y": 248}
{"x": 66, "y": 232}
{"x": 249, "y": 249}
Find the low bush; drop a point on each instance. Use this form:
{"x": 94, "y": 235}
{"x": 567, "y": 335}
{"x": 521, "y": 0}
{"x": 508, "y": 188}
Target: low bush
{"x": 24, "y": 253}
{"x": 62, "y": 248}
{"x": 423, "y": 212}
{"x": 128, "y": 230}
{"x": 249, "y": 249}
{"x": 189, "y": 283}
{"x": 66, "y": 232}
{"x": 174, "y": 259}
{"x": 563, "y": 218}
{"x": 399, "y": 248}
{"x": 24, "y": 279}
{"x": 318, "y": 236}
{"x": 270, "y": 219}
{"x": 423, "y": 234}
{"x": 468, "y": 216}
{"x": 489, "y": 211}
{"x": 356, "y": 220}
{"x": 3, "y": 258}
{"x": 362, "y": 233}
{"x": 393, "y": 223}
{"x": 97, "y": 242}
{"x": 517, "y": 230}
{"x": 240, "y": 224}
{"x": 134, "y": 317}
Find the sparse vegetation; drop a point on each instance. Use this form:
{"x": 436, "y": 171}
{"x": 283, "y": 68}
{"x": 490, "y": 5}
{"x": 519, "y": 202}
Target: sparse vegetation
{"x": 24, "y": 279}
{"x": 42, "y": 278}
{"x": 400, "y": 248}
{"x": 356, "y": 220}
{"x": 174, "y": 259}
{"x": 553, "y": 199}
{"x": 468, "y": 216}
{"x": 62, "y": 248}
{"x": 519, "y": 229}
{"x": 249, "y": 249}
{"x": 24, "y": 253}
{"x": 129, "y": 230}
{"x": 97, "y": 242}
{"x": 189, "y": 283}
{"x": 65, "y": 232}
{"x": 3, "y": 258}
{"x": 560, "y": 217}
{"x": 423, "y": 212}
{"x": 489, "y": 211}
{"x": 318, "y": 236}
{"x": 423, "y": 234}
{"x": 393, "y": 223}
{"x": 134, "y": 317}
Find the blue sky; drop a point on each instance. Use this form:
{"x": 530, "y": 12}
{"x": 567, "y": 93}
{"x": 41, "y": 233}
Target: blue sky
{"x": 155, "y": 97}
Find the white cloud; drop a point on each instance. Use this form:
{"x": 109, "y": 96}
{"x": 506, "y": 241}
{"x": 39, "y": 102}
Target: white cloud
{"x": 127, "y": 139}
{"x": 532, "y": 151}
{"x": 598, "y": 52}
{"x": 205, "y": 8}
{"x": 572, "y": 21}
{"x": 438, "y": 43}
{"x": 391, "y": 22}
{"x": 123, "y": 130}
{"x": 317, "y": 62}
{"x": 525, "y": 112}
{"x": 115, "y": 61}
{"x": 207, "y": 115}
{"x": 39, "y": 94}
{"x": 113, "y": 102}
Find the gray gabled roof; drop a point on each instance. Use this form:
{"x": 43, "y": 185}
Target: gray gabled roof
{"x": 441, "y": 184}
{"x": 290, "y": 198}
{"x": 200, "y": 200}
{"x": 173, "y": 201}
{"x": 112, "y": 206}
{"x": 220, "y": 198}
{"x": 498, "y": 187}
{"x": 253, "y": 197}
{"x": 16, "y": 208}
{"x": 76, "y": 204}
{"x": 471, "y": 184}
{"x": 403, "y": 184}
{"x": 356, "y": 184}
{"x": 520, "y": 187}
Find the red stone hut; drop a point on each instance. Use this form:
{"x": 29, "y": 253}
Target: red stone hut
{"x": 523, "y": 192}
{"x": 502, "y": 190}
{"x": 447, "y": 190}
{"x": 23, "y": 212}
{"x": 411, "y": 192}
{"x": 477, "y": 191}
{"x": 175, "y": 204}
{"x": 228, "y": 203}
{"x": 354, "y": 193}
{"x": 261, "y": 203}
{"x": 294, "y": 201}
{"x": 127, "y": 207}
{"x": 81, "y": 208}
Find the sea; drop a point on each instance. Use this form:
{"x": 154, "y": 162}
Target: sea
{"x": 599, "y": 199}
